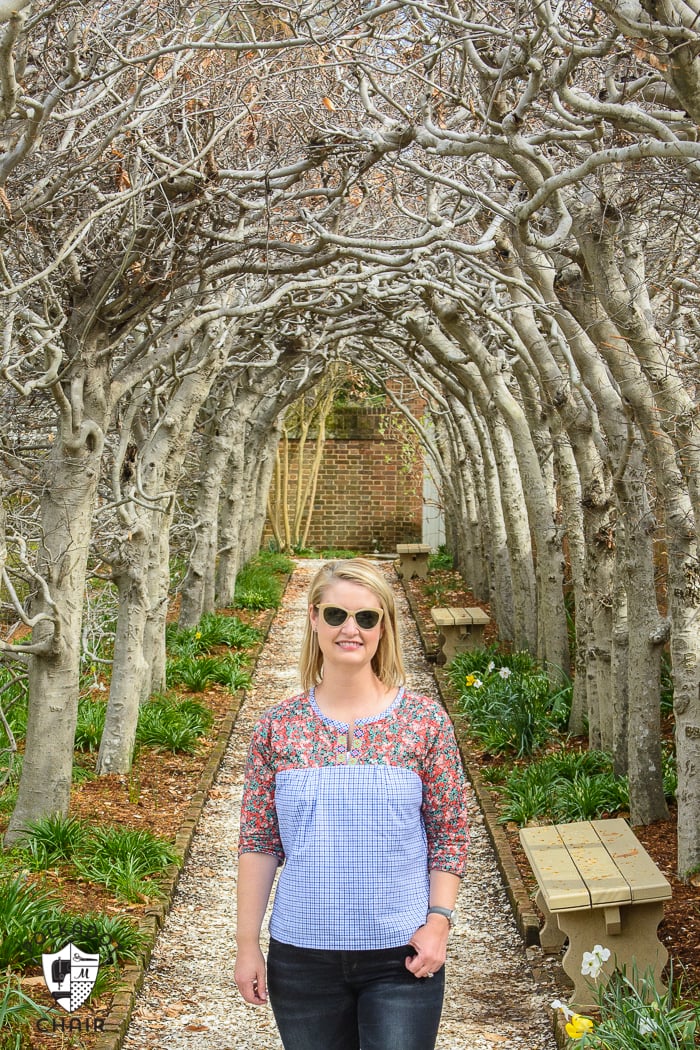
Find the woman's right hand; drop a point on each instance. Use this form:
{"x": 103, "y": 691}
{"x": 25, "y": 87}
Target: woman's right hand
{"x": 250, "y": 976}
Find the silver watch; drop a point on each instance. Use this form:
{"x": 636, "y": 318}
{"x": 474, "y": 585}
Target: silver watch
{"x": 449, "y": 913}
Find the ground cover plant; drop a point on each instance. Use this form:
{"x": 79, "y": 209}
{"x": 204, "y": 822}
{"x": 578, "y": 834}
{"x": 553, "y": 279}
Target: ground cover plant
{"x": 96, "y": 873}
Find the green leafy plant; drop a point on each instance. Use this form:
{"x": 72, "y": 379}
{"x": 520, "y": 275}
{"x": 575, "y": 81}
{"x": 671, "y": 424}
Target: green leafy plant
{"x": 440, "y": 559}
{"x": 257, "y": 587}
{"x": 588, "y": 797}
{"x": 276, "y": 562}
{"x": 26, "y": 911}
{"x": 508, "y": 701}
{"x": 17, "y": 1011}
{"x": 478, "y": 661}
{"x": 197, "y": 673}
{"x": 635, "y": 1015}
{"x": 669, "y": 772}
{"x": 172, "y": 726}
{"x": 212, "y": 630}
{"x": 125, "y": 861}
{"x": 565, "y": 786}
{"x": 54, "y": 840}
{"x": 90, "y": 724}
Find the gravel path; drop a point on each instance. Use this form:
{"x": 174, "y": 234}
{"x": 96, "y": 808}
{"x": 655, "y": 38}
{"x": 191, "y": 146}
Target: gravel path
{"x": 189, "y": 999}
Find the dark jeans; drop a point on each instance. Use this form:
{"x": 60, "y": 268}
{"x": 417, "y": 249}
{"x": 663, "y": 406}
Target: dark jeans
{"x": 358, "y": 1000}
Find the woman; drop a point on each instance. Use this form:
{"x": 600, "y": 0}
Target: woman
{"x": 356, "y": 786}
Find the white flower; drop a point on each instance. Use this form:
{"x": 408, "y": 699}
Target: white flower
{"x": 504, "y": 672}
{"x": 592, "y": 962}
{"x": 477, "y": 683}
{"x": 490, "y": 666}
{"x": 646, "y": 1026}
{"x": 557, "y": 1004}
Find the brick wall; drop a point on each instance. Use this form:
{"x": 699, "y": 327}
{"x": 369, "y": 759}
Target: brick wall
{"x": 366, "y": 498}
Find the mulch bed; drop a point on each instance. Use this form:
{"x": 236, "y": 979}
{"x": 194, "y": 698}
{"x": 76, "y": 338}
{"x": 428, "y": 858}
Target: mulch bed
{"x": 156, "y": 795}
{"x": 680, "y": 929}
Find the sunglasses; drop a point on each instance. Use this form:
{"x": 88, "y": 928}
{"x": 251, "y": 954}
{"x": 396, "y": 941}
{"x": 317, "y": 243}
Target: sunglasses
{"x": 336, "y": 615}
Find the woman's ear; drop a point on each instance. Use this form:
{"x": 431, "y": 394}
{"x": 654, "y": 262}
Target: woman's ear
{"x": 313, "y": 616}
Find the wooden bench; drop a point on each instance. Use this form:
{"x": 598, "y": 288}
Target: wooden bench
{"x": 413, "y": 560}
{"x": 459, "y": 629}
{"x": 598, "y": 885}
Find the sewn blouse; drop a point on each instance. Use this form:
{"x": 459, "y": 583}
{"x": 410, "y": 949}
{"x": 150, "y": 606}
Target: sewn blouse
{"x": 358, "y": 824}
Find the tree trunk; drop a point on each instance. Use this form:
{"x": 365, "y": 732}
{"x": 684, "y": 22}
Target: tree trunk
{"x": 647, "y": 634}
{"x": 67, "y": 504}
{"x": 129, "y": 666}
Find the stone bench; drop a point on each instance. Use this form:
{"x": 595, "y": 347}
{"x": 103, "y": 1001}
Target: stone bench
{"x": 459, "y": 629}
{"x": 598, "y": 885}
{"x": 413, "y": 560}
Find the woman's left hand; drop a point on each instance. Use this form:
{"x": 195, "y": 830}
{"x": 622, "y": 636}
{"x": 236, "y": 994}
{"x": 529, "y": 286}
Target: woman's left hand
{"x": 430, "y": 942}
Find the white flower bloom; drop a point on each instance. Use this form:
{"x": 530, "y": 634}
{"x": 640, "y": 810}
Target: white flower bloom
{"x": 592, "y": 962}
{"x": 504, "y": 672}
{"x": 646, "y": 1026}
{"x": 477, "y": 683}
{"x": 491, "y": 666}
{"x": 590, "y": 965}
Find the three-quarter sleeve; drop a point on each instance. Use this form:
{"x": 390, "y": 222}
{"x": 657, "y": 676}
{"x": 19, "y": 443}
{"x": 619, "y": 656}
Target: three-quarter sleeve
{"x": 259, "y": 831}
{"x": 445, "y": 802}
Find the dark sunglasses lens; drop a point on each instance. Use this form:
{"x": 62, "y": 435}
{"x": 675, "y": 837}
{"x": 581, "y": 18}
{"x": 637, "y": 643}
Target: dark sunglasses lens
{"x": 334, "y": 616}
{"x": 367, "y": 619}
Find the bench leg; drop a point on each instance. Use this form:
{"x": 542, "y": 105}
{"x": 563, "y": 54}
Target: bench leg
{"x": 551, "y": 937}
{"x": 449, "y": 643}
{"x": 636, "y": 949}
{"x": 411, "y": 565}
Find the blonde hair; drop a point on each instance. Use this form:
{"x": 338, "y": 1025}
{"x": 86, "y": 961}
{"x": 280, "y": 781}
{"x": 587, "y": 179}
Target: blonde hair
{"x": 387, "y": 662}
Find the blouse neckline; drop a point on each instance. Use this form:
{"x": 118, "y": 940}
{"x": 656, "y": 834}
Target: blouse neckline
{"x": 358, "y": 721}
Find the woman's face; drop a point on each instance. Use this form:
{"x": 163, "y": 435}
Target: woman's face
{"x": 348, "y": 644}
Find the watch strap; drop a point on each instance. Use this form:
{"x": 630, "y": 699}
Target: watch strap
{"x": 435, "y": 909}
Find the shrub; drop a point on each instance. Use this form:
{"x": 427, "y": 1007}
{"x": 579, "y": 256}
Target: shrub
{"x": 508, "y": 701}
{"x": 54, "y": 840}
{"x": 26, "y": 911}
{"x": 211, "y": 631}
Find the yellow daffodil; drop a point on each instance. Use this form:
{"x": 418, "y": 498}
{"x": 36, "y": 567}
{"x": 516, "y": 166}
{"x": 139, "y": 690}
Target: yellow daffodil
{"x": 578, "y": 1026}
{"x": 470, "y": 679}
